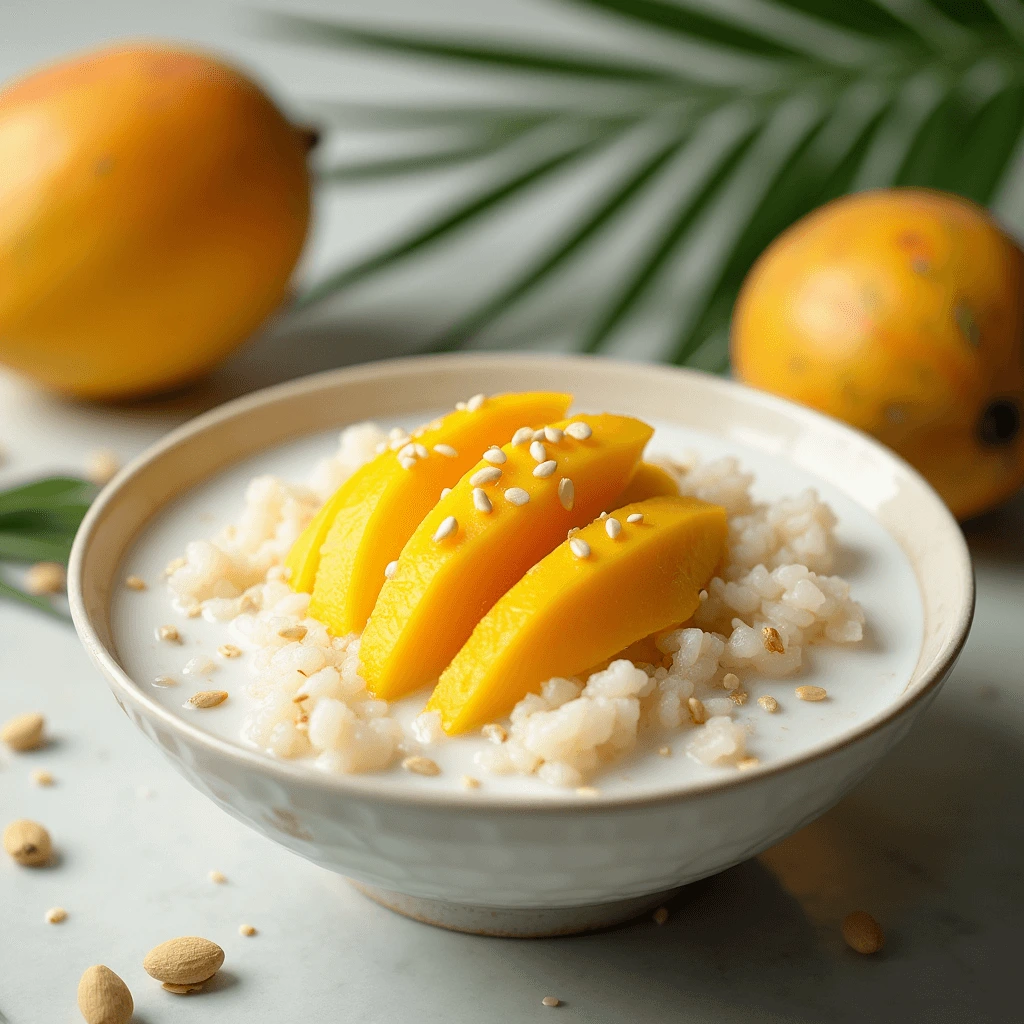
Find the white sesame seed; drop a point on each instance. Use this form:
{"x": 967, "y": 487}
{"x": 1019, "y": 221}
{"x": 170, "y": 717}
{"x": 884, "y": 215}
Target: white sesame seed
{"x": 545, "y": 469}
{"x": 445, "y": 491}
{"x": 566, "y": 493}
{"x": 448, "y": 526}
{"x": 580, "y": 431}
{"x": 553, "y": 434}
{"x": 551, "y": 1001}
{"x": 579, "y": 547}
{"x": 603, "y": 515}
{"x": 397, "y": 432}
{"x": 469, "y": 782}
{"x": 421, "y": 450}
{"x": 495, "y": 456}
{"x": 480, "y": 500}
{"x": 636, "y": 517}
{"x": 381, "y": 447}
{"x": 522, "y": 435}
{"x": 487, "y": 475}
{"x": 446, "y": 450}
{"x": 517, "y": 496}
{"x": 461, "y": 406}
{"x": 612, "y": 527}
{"x": 475, "y": 402}
{"x": 421, "y": 765}
{"x": 702, "y": 596}
{"x": 398, "y": 442}
{"x": 406, "y": 462}
{"x": 538, "y": 435}
{"x": 408, "y": 451}
{"x": 539, "y": 452}
{"x": 390, "y": 569}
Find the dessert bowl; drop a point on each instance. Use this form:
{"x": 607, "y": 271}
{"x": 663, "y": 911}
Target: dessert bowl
{"x": 536, "y": 860}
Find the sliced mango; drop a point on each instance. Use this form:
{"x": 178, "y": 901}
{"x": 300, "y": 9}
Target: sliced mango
{"x": 498, "y": 520}
{"x": 370, "y": 517}
{"x": 649, "y": 481}
{"x": 569, "y": 612}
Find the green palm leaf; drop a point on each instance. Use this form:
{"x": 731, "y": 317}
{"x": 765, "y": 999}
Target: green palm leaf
{"x": 915, "y": 92}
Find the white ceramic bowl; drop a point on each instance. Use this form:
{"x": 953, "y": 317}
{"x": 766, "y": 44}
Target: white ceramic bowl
{"x": 497, "y": 864}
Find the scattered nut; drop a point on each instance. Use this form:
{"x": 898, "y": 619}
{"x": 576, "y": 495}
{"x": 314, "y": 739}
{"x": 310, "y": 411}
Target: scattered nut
{"x": 494, "y": 732}
{"x": 746, "y": 763}
{"x": 229, "y": 651}
{"x": 811, "y": 692}
{"x": 185, "y": 961}
{"x": 218, "y": 877}
{"x": 101, "y": 466}
{"x": 769, "y": 703}
{"x": 174, "y": 565}
{"x": 772, "y": 640}
{"x": 41, "y": 777}
{"x": 28, "y": 843}
{"x": 551, "y": 1001}
{"x": 246, "y": 929}
{"x": 863, "y": 933}
{"x": 588, "y": 791}
{"x": 208, "y": 698}
{"x": 731, "y": 681}
{"x": 103, "y": 998}
{"x": 665, "y": 751}
{"x": 135, "y": 583}
{"x": 697, "y": 713}
{"x": 181, "y": 990}
{"x": 165, "y": 681}
{"x": 660, "y": 916}
{"x": 45, "y": 578}
{"x": 292, "y": 632}
{"x": 170, "y": 634}
{"x": 25, "y": 732}
{"x": 738, "y": 697}
{"x": 56, "y": 914}
{"x": 469, "y": 782}
{"x": 421, "y": 766}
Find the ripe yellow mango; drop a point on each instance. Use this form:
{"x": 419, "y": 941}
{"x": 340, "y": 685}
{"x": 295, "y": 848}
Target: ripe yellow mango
{"x": 569, "y": 612}
{"x": 342, "y": 555}
{"x": 479, "y": 540}
{"x": 649, "y": 481}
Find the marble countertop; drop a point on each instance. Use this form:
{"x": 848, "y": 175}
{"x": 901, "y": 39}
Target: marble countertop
{"x": 931, "y": 843}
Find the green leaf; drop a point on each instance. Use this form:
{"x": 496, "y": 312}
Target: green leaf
{"x": 39, "y": 603}
{"x": 34, "y": 547}
{"x": 505, "y": 58}
{"x": 589, "y": 226}
{"x": 375, "y": 170}
{"x": 438, "y": 228}
{"x": 58, "y": 492}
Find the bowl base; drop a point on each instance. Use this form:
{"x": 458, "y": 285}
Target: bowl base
{"x": 513, "y": 922}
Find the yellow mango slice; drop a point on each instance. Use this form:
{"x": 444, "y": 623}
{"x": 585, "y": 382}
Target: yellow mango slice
{"x": 366, "y": 523}
{"x": 498, "y": 520}
{"x": 649, "y": 481}
{"x": 582, "y": 604}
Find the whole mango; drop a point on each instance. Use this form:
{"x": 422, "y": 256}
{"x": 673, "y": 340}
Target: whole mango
{"x": 901, "y": 312}
{"x": 153, "y": 204}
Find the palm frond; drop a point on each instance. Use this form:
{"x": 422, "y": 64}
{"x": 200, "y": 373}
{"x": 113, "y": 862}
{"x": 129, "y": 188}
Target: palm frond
{"x": 921, "y": 92}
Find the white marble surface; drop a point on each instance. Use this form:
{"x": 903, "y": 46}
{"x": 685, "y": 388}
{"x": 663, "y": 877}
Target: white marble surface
{"x": 932, "y": 843}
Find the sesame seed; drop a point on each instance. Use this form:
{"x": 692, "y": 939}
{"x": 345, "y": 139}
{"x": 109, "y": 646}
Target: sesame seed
{"x": 660, "y": 916}
{"x": 398, "y": 442}
{"x": 553, "y": 434}
{"x": 445, "y": 491}
{"x": 697, "y": 713}
{"x": 170, "y": 634}
{"x": 522, "y": 435}
{"x": 135, "y": 583}
{"x": 421, "y": 765}
{"x": 207, "y": 698}
{"x": 538, "y": 435}
{"x": 390, "y": 569}
{"x": 397, "y": 433}
{"x": 218, "y": 877}
{"x": 41, "y": 777}
{"x": 572, "y": 531}
{"x": 420, "y": 450}
{"x": 293, "y": 633}
{"x": 448, "y": 526}
{"x": 446, "y": 450}
{"x": 772, "y": 640}
{"x": 603, "y": 515}
{"x": 579, "y": 547}
{"x": 580, "y": 431}
{"x": 539, "y": 452}
{"x": 811, "y": 692}
{"x": 702, "y": 596}
{"x": 55, "y": 915}
{"x": 480, "y": 500}
{"x": 229, "y": 651}
{"x": 406, "y": 461}
{"x": 487, "y": 475}
{"x": 551, "y": 1001}
{"x": 246, "y": 929}
{"x": 612, "y": 527}
{"x": 165, "y": 681}
{"x": 769, "y": 703}
{"x": 545, "y": 469}
{"x": 495, "y": 456}
{"x": 517, "y": 496}
{"x": 461, "y": 406}
{"x": 469, "y": 782}
{"x": 380, "y": 447}
{"x": 566, "y": 493}
{"x": 635, "y": 517}
{"x": 475, "y": 402}
{"x": 408, "y": 451}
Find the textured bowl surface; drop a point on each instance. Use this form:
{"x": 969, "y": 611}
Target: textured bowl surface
{"x": 531, "y": 863}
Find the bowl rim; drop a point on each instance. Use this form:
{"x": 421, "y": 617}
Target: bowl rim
{"x": 364, "y": 786}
